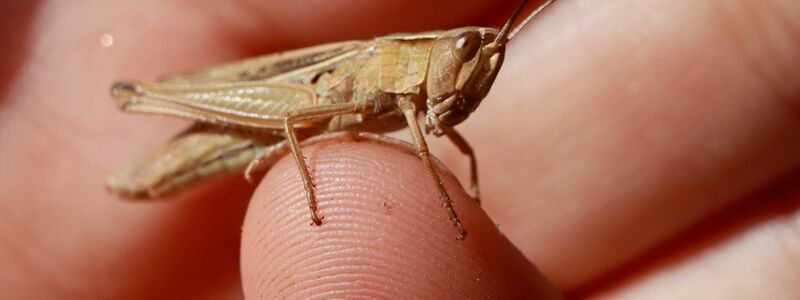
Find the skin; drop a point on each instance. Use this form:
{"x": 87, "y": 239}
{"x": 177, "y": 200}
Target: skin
{"x": 629, "y": 149}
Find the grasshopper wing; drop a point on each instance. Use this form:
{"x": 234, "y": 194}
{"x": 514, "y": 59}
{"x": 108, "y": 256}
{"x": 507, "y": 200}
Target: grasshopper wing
{"x": 201, "y": 152}
{"x": 254, "y": 104}
{"x": 266, "y": 66}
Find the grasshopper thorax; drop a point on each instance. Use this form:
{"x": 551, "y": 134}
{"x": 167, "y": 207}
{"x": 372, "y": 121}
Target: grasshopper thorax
{"x": 464, "y": 64}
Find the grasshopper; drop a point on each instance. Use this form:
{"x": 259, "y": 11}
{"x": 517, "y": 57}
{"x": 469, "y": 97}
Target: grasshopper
{"x": 251, "y": 112}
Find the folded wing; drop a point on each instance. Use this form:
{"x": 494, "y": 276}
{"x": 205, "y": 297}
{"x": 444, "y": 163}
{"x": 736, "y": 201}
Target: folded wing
{"x": 255, "y": 104}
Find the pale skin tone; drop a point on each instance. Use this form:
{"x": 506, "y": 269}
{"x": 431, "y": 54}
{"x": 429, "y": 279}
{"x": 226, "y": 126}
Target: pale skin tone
{"x": 628, "y": 148}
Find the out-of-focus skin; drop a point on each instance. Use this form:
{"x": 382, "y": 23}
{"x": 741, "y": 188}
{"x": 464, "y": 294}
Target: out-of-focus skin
{"x": 637, "y": 149}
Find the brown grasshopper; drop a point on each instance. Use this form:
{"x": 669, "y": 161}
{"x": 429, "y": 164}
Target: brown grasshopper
{"x": 249, "y": 112}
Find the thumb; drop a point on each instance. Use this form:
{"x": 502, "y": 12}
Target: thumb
{"x": 384, "y": 233}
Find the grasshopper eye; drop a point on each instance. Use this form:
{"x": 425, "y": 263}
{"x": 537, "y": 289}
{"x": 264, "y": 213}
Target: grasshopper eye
{"x": 466, "y": 45}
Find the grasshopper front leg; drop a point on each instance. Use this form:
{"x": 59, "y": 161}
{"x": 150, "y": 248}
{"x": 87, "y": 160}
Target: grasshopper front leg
{"x": 410, "y": 112}
{"x": 311, "y": 114}
{"x": 466, "y": 149}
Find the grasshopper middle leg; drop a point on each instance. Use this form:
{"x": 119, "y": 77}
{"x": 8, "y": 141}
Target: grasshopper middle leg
{"x": 466, "y": 149}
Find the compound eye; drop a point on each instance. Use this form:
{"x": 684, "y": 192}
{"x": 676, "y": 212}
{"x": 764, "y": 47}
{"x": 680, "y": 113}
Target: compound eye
{"x": 466, "y": 45}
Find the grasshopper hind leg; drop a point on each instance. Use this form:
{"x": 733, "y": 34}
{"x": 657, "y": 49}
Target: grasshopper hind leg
{"x": 302, "y": 167}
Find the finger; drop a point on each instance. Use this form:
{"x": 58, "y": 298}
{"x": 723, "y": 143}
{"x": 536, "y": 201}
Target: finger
{"x": 62, "y": 133}
{"x": 749, "y": 252}
{"x": 384, "y": 233}
{"x": 625, "y": 123}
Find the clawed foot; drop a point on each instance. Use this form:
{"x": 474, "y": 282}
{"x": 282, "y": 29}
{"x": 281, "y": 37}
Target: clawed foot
{"x": 476, "y": 195}
{"x": 462, "y": 234}
{"x": 315, "y": 220}
{"x": 254, "y": 165}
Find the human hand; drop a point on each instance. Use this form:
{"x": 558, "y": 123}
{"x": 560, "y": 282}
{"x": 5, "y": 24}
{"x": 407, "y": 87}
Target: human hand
{"x": 585, "y": 175}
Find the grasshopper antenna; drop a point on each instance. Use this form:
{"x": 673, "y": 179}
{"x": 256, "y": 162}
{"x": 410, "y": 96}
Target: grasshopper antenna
{"x": 527, "y": 19}
{"x": 501, "y": 40}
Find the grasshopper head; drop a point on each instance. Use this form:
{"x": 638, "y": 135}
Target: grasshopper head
{"x": 464, "y": 64}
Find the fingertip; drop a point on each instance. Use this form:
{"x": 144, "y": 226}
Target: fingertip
{"x": 384, "y": 233}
